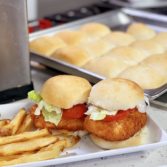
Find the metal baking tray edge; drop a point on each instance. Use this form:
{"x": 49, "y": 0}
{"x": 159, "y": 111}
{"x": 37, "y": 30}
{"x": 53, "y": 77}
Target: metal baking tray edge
{"x": 139, "y": 4}
{"x": 125, "y": 16}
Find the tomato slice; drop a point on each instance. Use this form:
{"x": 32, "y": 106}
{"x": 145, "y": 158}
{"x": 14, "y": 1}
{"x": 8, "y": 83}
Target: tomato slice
{"x": 120, "y": 115}
{"x": 75, "y": 112}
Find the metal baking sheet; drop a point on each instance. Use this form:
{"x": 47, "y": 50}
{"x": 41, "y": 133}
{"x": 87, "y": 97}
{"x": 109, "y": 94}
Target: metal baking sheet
{"x": 117, "y": 20}
{"x": 140, "y": 4}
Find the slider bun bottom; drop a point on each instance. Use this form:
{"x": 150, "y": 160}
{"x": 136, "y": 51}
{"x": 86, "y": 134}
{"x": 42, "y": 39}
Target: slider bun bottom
{"x": 79, "y": 133}
{"x": 139, "y": 138}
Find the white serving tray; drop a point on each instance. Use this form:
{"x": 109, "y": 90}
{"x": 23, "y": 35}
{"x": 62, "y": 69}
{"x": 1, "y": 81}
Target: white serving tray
{"x": 85, "y": 149}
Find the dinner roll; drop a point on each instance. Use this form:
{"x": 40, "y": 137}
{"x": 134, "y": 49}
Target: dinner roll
{"x": 141, "y": 31}
{"x": 95, "y": 30}
{"x": 146, "y": 77}
{"x": 119, "y": 38}
{"x": 46, "y": 45}
{"x": 161, "y": 39}
{"x": 127, "y": 54}
{"x": 73, "y": 55}
{"x": 148, "y": 47}
{"x": 98, "y": 48}
{"x": 107, "y": 66}
{"x": 73, "y": 37}
{"x": 157, "y": 62}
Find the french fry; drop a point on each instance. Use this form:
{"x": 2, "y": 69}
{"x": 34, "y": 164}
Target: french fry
{"x": 4, "y": 122}
{"x": 5, "y": 131}
{"x": 29, "y": 145}
{"x": 70, "y": 140}
{"x": 23, "y": 136}
{"x": 27, "y": 125}
{"x": 10, "y": 157}
{"x": 16, "y": 121}
{"x": 54, "y": 145}
{"x": 49, "y": 153}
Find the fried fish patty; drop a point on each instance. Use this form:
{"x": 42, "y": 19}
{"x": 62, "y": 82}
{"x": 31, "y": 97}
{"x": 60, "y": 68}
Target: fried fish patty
{"x": 65, "y": 124}
{"x": 117, "y": 130}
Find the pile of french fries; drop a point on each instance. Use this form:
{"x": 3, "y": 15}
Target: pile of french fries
{"x": 20, "y": 142}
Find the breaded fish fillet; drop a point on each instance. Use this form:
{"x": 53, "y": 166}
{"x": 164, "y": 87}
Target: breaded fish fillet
{"x": 117, "y": 130}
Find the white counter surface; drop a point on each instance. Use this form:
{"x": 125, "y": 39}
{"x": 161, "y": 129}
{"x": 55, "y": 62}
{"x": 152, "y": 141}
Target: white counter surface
{"x": 151, "y": 158}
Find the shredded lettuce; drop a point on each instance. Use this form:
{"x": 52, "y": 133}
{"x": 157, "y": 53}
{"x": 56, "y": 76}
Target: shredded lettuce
{"x": 34, "y": 96}
{"x": 52, "y": 116}
{"x": 98, "y": 113}
{"x": 51, "y": 108}
{"x": 51, "y": 113}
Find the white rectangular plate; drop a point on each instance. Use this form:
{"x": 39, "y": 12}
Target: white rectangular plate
{"x": 85, "y": 149}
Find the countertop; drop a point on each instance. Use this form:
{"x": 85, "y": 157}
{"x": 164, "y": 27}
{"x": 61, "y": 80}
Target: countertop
{"x": 153, "y": 158}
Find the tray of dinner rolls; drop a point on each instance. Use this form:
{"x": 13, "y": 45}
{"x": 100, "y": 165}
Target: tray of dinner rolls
{"x": 124, "y": 43}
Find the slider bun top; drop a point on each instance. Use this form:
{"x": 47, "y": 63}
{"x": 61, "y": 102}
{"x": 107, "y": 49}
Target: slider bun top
{"x": 98, "y": 48}
{"x": 73, "y": 55}
{"x": 95, "y": 30}
{"x": 128, "y": 54}
{"x": 108, "y": 66}
{"x": 65, "y": 91}
{"x": 73, "y": 37}
{"x": 46, "y": 45}
{"x": 161, "y": 38}
{"x": 150, "y": 73}
{"x": 119, "y": 38}
{"x": 157, "y": 62}
{"x": 148, "y": 47}
{"x": 116, "y": 94}
{"x": 141, "y": 31}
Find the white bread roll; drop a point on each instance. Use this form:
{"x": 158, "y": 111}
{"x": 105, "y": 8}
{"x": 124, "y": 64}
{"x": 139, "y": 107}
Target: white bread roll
{"x": 144, "y": 75}
{"x": 158, "y": 63}
{"x": 97, "y": 48}
{"x": 119, "y": 39}
{"x": 107, "y": 66}
{"x": 161, "y": 39}
{"x": 148, "y": 47}
{"x": 116, "y": 94}
{"x": 139, "y": 138}
{"x": 73, "y": 55}
{"x": 127, "y": 54}
{"x": 65, "y": 91}
{"x": 73, "y": 38}
{"x": 141, "y": 31}
{"x": 95, "y": 30}
{"x": 46, "y": 45}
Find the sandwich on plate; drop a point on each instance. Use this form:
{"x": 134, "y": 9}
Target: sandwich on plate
{"x": 116, "y": 114}
{"x": 61, "y": 103}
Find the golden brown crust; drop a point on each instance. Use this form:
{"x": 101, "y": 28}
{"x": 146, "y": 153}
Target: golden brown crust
{"x": 72, "y": 54}
{"x": 117, "y": 130}
{"x": 150, "y": 73}
{"x": 148, "y": 47}
{"x": 46, "y": 45}
{"x": 161, "y": 38}
{"x": 73, "y": 37}
{"x": 64, "y": 124}
{"x": 107, "y": 66}
{"x": 127, "y": 54}
{"x": 65, "y": 91}
{"x": 97, "y": 48}
{"x": 119, "y": 38}
{"x": 95, "y": 30}
{"x": 141, "y": 31}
